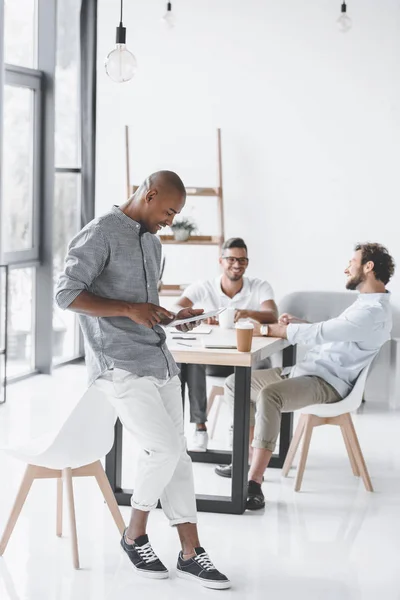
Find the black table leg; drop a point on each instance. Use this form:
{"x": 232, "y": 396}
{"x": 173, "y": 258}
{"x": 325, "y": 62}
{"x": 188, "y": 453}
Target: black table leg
{"x": 114, "y": 460}
{"x": 240, "y": 448}
{"x": 183, "y": 377}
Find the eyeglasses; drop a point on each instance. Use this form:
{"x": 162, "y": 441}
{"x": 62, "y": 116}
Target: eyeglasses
{"x": 232, "y": 259}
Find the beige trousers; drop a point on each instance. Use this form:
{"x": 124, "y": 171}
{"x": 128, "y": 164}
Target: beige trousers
{"x": 272, "y": 393}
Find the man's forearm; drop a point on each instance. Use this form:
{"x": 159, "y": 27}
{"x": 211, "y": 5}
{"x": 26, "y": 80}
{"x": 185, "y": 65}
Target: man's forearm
{"x": 263, "y": 316}
{"x": 277, "y": 330}
{"x": 96, "y": 306}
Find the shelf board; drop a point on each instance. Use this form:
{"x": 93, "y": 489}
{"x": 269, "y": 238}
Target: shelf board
{"x": 194, "y": 240}
{"x": 194, "y": 191}
{"x": 200, "y": 191}
{"x": 170, "y": 293}
{"x": 171, "y": 289}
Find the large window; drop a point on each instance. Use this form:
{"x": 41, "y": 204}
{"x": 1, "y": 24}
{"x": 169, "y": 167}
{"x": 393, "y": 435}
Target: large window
{"x": 46, "y": 45}
{"x": 21, "y": 181}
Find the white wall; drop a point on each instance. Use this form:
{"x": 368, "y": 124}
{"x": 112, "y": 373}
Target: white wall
{"x": 310, "y": 122}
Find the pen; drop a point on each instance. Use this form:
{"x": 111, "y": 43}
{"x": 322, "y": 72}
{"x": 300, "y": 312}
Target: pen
{"x": 181, "y": 344}
{"x": 182, "y": 338}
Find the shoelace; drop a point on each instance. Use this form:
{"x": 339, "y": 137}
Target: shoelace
{"x": 205, "y": 561}
{"x": 147, "y": 553}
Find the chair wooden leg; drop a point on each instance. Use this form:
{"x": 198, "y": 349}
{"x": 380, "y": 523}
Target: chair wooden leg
{"x": 211, "y": 399}
{"x": 294, "y": 445}
{"x": 353, "y": 463}
{"x": 308, "y": 427}
{"x": 216, "y": 390}
{"x": 67, "y": 477}
{"x": 358, "y": 455}
{"x": 59, "y": 523}
{"x": 23, "y": 492}
{"x": 109, "y": 497}
{"x": 217, "y": 410}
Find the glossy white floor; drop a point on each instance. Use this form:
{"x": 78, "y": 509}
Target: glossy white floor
{"x": 333, "y": 541}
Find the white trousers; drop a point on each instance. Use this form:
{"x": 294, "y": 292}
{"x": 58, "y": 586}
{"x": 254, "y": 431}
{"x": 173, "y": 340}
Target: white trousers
{"x": 151, "y": 409}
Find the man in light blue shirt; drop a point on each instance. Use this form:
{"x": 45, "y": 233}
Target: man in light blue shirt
{"x": 341, "y": 348}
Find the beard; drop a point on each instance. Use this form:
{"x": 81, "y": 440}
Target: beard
{"x": 355, "y": 281}
{"x": 234, "y": 276}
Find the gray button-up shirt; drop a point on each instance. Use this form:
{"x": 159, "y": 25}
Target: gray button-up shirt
{"x": 111, "y": 257}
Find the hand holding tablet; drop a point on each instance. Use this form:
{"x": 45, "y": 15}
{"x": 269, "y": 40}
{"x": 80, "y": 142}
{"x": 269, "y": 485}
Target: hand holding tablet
{"x": 202, "y": 317}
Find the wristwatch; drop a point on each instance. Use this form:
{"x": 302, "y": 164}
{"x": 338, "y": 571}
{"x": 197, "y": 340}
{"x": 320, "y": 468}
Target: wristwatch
{"x": 264, "y": 330}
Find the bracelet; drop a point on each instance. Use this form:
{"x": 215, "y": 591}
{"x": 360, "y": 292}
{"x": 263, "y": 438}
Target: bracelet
{"x": 264, "y": 330}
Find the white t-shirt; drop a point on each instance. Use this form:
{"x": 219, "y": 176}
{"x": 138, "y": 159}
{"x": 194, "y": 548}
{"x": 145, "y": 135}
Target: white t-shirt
{"x": 209, "y": 295}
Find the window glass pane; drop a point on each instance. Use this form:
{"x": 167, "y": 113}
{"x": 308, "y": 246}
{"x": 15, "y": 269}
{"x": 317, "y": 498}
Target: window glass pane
{"x": 17, "y": 178}
{"x": 66, "y": 225}
{"x": 67, "y": 84}
{"x": 2, "y": 329}
{"x": 20, "y": 27}
{"x": 20, "y": 346}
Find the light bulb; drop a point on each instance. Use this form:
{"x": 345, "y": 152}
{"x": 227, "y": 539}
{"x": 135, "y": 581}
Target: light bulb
{"x": 169, "y": 19}
{"x": 344, "y": 22}
{"x": 120, "y": 64}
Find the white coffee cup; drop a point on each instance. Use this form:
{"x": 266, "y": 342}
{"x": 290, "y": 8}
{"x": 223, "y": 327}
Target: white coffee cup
{"x": 227, "y": 318}
{"x": 244, "y": 335}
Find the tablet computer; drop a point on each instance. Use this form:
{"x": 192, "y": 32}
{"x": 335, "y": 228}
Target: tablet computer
{"x": 202, "y": 317}
{"x": 220, "y": 346}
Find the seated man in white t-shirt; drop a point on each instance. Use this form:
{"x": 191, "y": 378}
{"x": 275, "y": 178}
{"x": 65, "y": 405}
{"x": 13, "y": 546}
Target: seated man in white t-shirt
{"x": 253, "y": 298}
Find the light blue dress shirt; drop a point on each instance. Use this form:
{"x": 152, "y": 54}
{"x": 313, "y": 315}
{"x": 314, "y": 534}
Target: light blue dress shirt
{"x": 342, "y": 347}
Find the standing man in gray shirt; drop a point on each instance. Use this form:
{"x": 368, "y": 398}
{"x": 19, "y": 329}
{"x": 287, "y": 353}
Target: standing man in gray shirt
{"x": 110, "y": 279}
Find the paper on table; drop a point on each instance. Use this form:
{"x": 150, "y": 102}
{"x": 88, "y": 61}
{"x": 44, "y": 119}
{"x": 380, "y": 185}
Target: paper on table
{"x": 201, "y": 329}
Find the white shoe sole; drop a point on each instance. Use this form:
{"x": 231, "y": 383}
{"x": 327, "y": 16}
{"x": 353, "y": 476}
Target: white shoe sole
{"x": 214, "y": 585}
{"x": 147, "y": 574}
{"x": 197, "y": 449}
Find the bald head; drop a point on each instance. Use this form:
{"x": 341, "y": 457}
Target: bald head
{"x": 168, "y": 181}
{"x": 161, "y": 196}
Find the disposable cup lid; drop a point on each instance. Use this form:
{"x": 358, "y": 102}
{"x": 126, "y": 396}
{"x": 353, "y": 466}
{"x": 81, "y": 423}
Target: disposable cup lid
{"x": 244, "y": 325}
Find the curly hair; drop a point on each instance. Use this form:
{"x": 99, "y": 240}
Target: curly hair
{"x": 384, "y": 264}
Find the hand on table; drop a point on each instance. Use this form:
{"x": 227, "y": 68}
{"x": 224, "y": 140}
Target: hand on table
{"x": 212, "y": 321}
{"x": 242, "y": 314}
{"x": 286, "y": 319}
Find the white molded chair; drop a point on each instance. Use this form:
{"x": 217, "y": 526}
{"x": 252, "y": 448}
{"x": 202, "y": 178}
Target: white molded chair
{"x": 337, "y": 413}
{"x": 74, "y": 451}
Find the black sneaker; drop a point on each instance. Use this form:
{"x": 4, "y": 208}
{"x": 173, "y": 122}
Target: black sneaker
{"x": 143, "y": 558}
{"x": 200, "y": 569}
{"x": 255, "y": 497}
{"x": 224, "y": 470}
